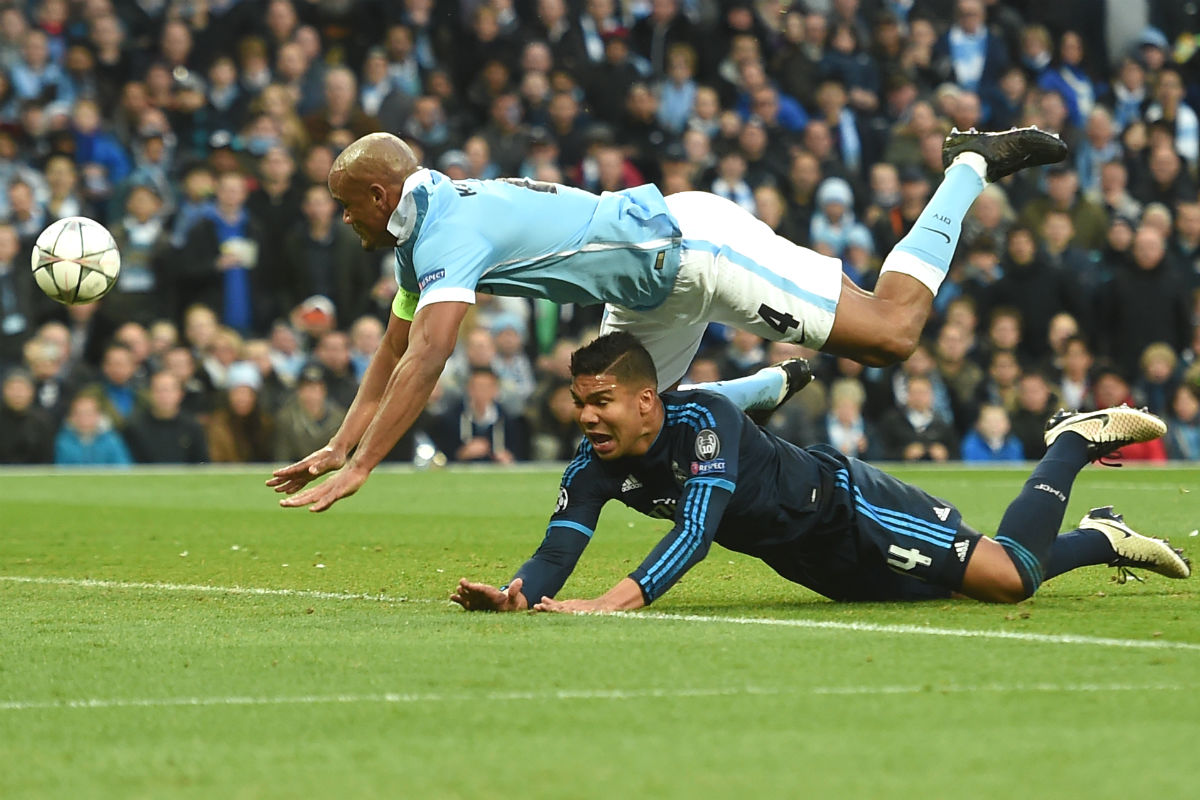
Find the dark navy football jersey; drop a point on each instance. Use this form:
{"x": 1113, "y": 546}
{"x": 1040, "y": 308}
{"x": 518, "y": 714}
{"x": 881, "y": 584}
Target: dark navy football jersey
{"x": 716, "y": 474}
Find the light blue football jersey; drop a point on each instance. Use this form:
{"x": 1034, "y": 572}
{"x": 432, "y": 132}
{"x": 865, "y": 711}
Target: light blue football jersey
{"x": 521, "y": 238}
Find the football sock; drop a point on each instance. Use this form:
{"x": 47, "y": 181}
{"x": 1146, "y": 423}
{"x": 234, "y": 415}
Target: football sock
{"x": 1079, "y": 548}
{"x": 926, "y": 250}
{"x": 1031, "y": 523}
{"x": 760, "y": 391}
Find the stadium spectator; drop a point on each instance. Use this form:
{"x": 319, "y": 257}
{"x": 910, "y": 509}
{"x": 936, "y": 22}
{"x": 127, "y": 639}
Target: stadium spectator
{"x": 730, "y": 180}
{"x": 273, "y": 389}
{"x": 1169, "y": 107}
{"x": 55, "y": 383}
{"x": 85, "y": 439}
{"x": 20, "y": 303}
{"x": 144, "y": 291}
{"x": 960, "y": 375}
{"x": 915, "y": 432}
{"x": 307, "y": 419}
{"x": 845, "y": 426}
{"x": 118, "y": 387}
{"x": 161, "y": 432}
{"x": 365, "y": 336}
{"x": 1155, "y": 385}
{"x": 975, "y": 56}
{"x": 323, "y": 257}
{"x": 554, "y": 435}
{"x": 217, "y": 265}
{"x": 510, "y": 363}
{"x": 1000, "y": 386}
{"x": 991, "y": 439}
{"x": 1144, "y": 304}
{"x": 477, "y": 428}
{"x": 241, "y": 430}
{"x": 197, "y": 388}
{"x": 1034, "y": 288}
{"x": 1035, "y": 405}
{"x": 26, "y": 431}
{"x": 332, "y": 353}
{"x": 1110, "y": 388}
{"x": 1183, "y": 425}
{"x": 1062, "y": 194}
{"x": 1166, "y": 181}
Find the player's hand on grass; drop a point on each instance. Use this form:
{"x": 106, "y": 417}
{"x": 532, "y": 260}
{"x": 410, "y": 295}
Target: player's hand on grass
{"x": 482, "y": 597}
{"x": 343, "y": 483}
{"x": 294, "y": 477}
{"x": 569, "y": 606}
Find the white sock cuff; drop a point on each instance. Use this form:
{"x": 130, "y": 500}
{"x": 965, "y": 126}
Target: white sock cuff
{"x": 908, "y": 264}
{"x": 975, "y": 162}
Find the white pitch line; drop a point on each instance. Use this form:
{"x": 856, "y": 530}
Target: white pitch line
{"x": 920, "y": 630}
{"x": 862, "y": 627}
{"x": 92, "y": 583}
{"x": 572, "y": 694}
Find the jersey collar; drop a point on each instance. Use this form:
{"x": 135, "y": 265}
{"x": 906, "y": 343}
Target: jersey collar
{"x": 404, "y": 218}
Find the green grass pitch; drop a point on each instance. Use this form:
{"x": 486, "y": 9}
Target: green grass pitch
{"x": 178, "y": 635}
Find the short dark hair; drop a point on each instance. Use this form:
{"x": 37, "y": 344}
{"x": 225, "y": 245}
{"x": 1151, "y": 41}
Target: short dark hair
{"x": 619, "y": 354}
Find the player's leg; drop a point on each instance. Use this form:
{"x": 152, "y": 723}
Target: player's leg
{"x": 762, "y": 392}
{"x": 672, "y": 333}
{"x": 883, "y": 326}
{"x": 1031, "y": 524}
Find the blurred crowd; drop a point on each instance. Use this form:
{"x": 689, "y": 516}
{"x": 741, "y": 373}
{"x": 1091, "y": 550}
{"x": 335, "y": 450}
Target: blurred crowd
{"x": 201, "y": 133}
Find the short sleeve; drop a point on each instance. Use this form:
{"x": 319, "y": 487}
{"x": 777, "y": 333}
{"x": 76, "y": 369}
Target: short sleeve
{"x": 449, "y": 264}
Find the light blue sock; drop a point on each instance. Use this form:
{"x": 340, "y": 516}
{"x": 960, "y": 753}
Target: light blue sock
{"x": 934, "y": 236}
{"x": 759, "y": 391}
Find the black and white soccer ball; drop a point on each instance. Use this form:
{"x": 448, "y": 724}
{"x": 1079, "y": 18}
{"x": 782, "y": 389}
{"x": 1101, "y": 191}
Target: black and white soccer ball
{"x": 75, "y": 261}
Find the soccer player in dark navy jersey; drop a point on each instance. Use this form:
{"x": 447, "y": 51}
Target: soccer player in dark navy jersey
{"x": 829, "y": 522}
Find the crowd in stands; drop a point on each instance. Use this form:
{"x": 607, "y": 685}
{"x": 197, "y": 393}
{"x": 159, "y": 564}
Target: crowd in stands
{"x": 201, "y": 133}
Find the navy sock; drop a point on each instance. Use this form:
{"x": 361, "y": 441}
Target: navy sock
{"x": 1079, "y": 548}
{"x": 1032, "y": 521}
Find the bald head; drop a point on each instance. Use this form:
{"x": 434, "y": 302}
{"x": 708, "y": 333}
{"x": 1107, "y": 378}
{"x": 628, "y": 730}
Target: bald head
{"x": 367, "y": 178}
{"x": 376, "y": 158}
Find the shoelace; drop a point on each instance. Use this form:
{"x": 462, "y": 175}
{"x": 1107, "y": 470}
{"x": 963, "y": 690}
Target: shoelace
{"x": 1124, "y": 574}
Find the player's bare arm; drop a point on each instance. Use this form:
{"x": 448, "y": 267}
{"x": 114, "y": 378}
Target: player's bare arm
{"x": 294, "y": 477}
{"x": 431, "y": 340}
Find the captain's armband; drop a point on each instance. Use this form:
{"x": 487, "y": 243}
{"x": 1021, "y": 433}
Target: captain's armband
{"x": 404, "y": 305}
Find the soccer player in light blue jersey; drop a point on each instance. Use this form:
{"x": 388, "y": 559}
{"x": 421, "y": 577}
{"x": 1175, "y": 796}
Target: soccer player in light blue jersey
{"x": 664, "y": 266}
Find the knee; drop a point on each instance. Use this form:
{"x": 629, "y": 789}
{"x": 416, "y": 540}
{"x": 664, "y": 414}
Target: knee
{"x": 1008, "y": 592}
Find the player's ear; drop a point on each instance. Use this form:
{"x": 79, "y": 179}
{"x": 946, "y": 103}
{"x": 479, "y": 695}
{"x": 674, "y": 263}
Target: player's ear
{"x": 379, "y": 195}
{"x": 646, "y": 398}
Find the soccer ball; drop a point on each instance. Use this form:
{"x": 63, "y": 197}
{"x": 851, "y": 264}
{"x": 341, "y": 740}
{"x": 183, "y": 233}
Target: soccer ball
{"x": 75, "y": 261}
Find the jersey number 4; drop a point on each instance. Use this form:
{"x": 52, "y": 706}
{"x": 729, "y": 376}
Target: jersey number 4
{"x": 779, "y": 320}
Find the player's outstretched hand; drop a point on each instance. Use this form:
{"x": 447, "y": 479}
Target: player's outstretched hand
{"x": 482, "y": 597}
{"x": 343, "y": 483}
{"x": 294, "y": 477}
{"x": 569, "y": 606}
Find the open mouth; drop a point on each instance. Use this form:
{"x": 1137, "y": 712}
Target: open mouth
{"x": 601, "y": 442}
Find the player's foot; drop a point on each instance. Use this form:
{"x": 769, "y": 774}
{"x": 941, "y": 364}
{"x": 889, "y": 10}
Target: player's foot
{"x": 1005, "y": 151}
{"x": 1133, "y": 549}
{"x": 1106, "y": 430}
{"x": 796, "y": 375}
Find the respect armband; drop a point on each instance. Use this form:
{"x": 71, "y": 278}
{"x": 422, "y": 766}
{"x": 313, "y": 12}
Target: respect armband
{"x": 404, "y": 305}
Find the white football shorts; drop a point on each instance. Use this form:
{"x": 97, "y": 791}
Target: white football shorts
{"x": 734, "y": 270}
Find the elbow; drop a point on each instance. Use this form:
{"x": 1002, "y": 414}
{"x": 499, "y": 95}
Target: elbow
{"x": 894, "y": 348}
